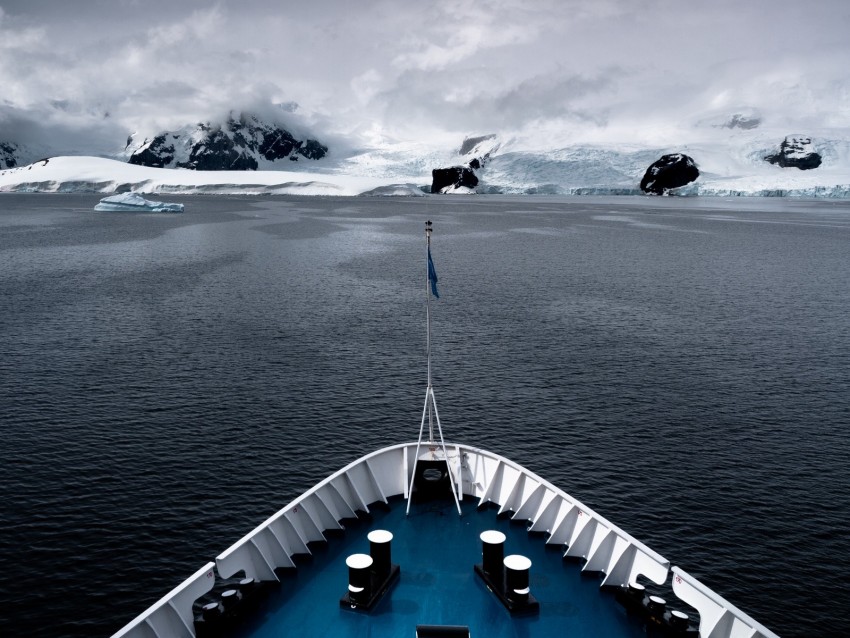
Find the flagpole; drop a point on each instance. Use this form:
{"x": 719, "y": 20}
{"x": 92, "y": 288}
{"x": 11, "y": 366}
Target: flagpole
{"x": 428, "y": 231}
{"x": 430, "y": 407}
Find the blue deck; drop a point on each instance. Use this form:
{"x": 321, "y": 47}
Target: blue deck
{"x": 436, "y": 550}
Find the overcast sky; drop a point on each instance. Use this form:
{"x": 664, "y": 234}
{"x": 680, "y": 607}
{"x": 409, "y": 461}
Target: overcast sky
{"x": 399, "y": 69}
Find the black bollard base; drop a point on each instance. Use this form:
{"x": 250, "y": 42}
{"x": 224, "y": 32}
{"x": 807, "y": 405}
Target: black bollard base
{"x": 379, "y": 589}
{"x": 527, "y": 607}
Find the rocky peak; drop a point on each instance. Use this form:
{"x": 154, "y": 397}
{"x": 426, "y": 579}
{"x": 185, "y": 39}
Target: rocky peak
{"x": 239, "y": 143}
{"x": 8, "y": 155}
{"x": 796, "y": 151}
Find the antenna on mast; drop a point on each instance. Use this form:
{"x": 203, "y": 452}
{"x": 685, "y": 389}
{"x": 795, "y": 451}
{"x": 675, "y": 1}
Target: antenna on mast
{"x": 436, "y": 455}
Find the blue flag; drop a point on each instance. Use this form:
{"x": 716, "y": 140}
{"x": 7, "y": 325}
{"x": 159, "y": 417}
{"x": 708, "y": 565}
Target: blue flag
{"x": 432, "y": 275}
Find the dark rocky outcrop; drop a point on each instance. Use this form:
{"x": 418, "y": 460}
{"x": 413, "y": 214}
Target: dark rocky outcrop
{"x": 8, "y": 155}
{"x": 796, "y": 151}
{"x": 218, "y": 151}
{"x": 476, "y": 150}
{"x": 159, "y": 153}
{"x": 443, "y": 179}
{"x": 670, "y": 171}
{"x": 238, "y": 144}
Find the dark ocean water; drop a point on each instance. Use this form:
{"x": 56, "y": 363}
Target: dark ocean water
{"x": 168, "y": 381}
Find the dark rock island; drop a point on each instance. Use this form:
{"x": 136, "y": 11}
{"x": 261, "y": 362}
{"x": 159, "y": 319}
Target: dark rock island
{"x": 443, "y": 179}
{"x": 476, "y": 150}
{"x": 670, "y": 171}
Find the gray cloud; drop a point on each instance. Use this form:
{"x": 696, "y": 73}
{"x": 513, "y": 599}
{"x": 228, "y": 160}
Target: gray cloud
{"x": 418, "y": 69}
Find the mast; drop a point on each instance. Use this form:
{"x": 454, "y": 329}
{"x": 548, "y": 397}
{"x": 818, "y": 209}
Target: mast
{"x": 435, "y": 452}
{"x": 428, "y": 230}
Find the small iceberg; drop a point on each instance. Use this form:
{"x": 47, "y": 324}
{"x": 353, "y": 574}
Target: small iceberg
{"x": 136, "y": 203}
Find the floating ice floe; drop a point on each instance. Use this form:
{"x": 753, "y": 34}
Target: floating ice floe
{"x": 137, "y": 203}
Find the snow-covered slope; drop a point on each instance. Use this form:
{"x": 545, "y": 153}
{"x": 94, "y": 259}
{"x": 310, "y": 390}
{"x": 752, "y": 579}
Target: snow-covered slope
{"x": 724, "y": 170}
{"x": 730, "y": 159}
{"x": 99, "y": 175}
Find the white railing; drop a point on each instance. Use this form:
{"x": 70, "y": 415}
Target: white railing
{"x": 172, "y": 614}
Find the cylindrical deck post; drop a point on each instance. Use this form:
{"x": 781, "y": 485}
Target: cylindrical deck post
{"x": 211, "y": 611}
{"x": 657, "y": 605}
{"x": 380, "y": 550}
{"x": 678, "y": 620}
{"x": 359, "y": 585}
{"x": 492, "y": 554}
{"x": 516, "y": 578}
{"x": 230, "y": 598}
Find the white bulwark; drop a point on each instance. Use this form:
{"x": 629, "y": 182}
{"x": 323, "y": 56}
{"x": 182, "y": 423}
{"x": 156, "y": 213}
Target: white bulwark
{"x": 479, "y": 474}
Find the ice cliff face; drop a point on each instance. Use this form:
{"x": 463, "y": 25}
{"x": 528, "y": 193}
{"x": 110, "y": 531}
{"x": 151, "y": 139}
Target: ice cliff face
{"x": 241, "y": 143}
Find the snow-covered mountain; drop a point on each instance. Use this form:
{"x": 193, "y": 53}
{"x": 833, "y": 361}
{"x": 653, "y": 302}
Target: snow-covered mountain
{"x": 732, "y": 150}
{"x": 241, "y": 142}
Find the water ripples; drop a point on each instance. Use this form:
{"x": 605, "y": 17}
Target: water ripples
{"x": 168, "y": 382}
